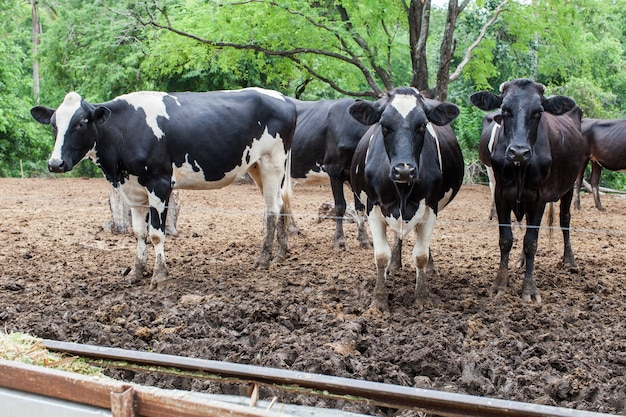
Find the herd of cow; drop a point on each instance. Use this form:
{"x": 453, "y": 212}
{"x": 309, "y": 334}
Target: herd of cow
{"x": 399, "y": 155}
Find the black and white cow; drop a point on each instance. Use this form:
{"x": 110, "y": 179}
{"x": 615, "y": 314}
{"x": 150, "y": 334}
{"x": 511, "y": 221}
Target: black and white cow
{"x": 408, "y": 166}
{"x": 148, "y": 143}
{"x": 536, "y": 155}
{"x": 324, "y": 141}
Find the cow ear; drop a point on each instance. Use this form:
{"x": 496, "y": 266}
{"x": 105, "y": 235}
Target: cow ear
{"x": 42, "y": 114}
{"x": 443, "y": 114}
{"x": 558, "y": 105}
{"x": 101, "y": 115}
{"x": 365, "y": 112}
{"x": 486, "y": 101}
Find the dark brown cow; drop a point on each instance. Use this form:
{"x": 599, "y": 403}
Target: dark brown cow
{"x": 536, "y": 156}
{"x": 606, "y": 139}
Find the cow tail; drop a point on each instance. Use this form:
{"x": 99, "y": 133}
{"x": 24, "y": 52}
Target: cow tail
{"x": 550, "y": 219}
{"x": 286, "y": 191}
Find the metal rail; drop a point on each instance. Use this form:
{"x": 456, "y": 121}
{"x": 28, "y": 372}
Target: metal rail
{"x": 394, "y": 396}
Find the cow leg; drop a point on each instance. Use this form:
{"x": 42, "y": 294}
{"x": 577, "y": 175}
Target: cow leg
{"x": 506, "y": 243}
{"x": 395, "y": 265}
{"x": 577, "y": 184}
{"x": 529, "y": 287}
{"x": 158, "y": 216}
{"x": 362, "y": 236}
{"x": 421, "y": 256}
{"x": 382, "y": 256}
{"x": 139, "y": 220}
{"x": 336, "y": 185}
{"x": 596, "y": 173}
{"x": 135, "y": 197}
{"x": 564, "y": 218}
{"x": 268, "y": 174}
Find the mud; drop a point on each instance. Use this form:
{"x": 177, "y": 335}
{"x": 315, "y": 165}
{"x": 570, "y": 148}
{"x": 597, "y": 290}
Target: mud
{"x": 62, "y": 277}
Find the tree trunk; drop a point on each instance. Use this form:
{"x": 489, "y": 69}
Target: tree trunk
{"x": 36, "y": 31}
{"x": 419, "y": 21}
{"x": 446, "y": 52}
{"x": 121, "y": 219}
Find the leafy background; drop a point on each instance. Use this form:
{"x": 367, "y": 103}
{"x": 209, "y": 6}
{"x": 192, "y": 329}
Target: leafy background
{"x": 358, "y": 48}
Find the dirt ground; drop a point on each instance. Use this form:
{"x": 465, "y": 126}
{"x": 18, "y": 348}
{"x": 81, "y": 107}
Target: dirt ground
{"x": 61, "y": 277}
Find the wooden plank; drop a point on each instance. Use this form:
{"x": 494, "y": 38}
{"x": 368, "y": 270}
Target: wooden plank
{"x": 148, "y": 401}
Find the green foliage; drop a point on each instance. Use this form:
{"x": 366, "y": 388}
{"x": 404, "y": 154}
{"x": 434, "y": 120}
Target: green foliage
{"x": 20, "y": 140}
{"x": 595, "y": 101}
{"x": 109, "y": 47}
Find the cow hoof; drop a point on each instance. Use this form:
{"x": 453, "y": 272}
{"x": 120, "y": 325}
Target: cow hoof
{"x": 497, "y": 291}
{"x": 159, "y": 282}
{"x": 134, "y": 275}
{"x": 379, "y": 306}
{"x": 339, "y": 245}
{"x": 527, "y": 296}
{"x": 281, "y": 256}
{"x": 365, "y": 244}
{"x": 262, "y": 263}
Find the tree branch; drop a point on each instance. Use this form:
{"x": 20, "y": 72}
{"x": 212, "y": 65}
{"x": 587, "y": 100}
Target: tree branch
{"x": 291, "y": 54}
{"x": 483, "y": 31}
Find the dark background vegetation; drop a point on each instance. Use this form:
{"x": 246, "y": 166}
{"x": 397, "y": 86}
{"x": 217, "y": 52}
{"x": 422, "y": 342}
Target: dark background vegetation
{"x": 309, "y": 49}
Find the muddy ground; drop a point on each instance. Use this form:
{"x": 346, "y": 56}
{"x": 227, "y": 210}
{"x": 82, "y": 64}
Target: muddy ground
{"x": 61, "y": 277}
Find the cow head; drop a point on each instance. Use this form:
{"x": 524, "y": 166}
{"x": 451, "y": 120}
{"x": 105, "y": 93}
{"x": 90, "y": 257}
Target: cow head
{"x": 403, "y": 115}
{"x": 74, "y": 124}
{"x": 521, "y": 103}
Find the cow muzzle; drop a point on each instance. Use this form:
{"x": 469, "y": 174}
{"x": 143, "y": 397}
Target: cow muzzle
{"x": 404, "y": 173}
{"x": 519, "y": 155}
{"x": 57, "y": 165}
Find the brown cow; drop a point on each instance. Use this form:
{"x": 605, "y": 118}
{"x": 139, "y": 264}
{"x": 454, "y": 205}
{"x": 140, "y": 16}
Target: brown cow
{"x": 606, "y": 139}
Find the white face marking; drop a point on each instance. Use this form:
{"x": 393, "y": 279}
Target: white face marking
{"x": 492, "y": 138}
{"x": 64, "y": 114}
{"x": 186, "y": 177}
{"x": 270, "y": 93}
{"x": 404, "y": 104}
{"x": 153, "y": 106}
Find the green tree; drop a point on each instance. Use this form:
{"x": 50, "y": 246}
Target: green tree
{"x": 21, "y": 142}
{"x": 357, "y": 48}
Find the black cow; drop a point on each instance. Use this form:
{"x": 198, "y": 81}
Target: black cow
{"x": 325, "y": 139}
{"x": 148, "y": 143}
{"x": 606, "y": 139}
{"x": 536, "y": 156}
{"x": 407, "y": 167}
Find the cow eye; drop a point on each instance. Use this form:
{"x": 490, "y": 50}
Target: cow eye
{"x": 505, "y": 113}
{"x": 537, "y": 114}
{"x": 386, "y": 130}
{"x": 81, "y": 124}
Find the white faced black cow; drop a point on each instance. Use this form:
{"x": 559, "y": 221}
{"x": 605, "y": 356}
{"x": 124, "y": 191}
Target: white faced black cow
{"x": 324, "y": 141}
{"x": 148, "y": 143}
{"x": 536, "y": 155}
{"x": 408, "y": 166}
{"x": 606, "y": 141}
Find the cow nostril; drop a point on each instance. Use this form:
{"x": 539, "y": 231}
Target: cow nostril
{"x": 404, "y": 173}
{"x": 56, "y": 165}
{"x": 518, "y": 154}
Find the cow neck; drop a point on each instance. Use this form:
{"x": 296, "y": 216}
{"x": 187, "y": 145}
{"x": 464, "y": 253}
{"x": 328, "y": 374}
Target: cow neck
{"x": 403, "y": 192}
{"x": 433, "y": 133}
{"x": 520, "y": 181}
